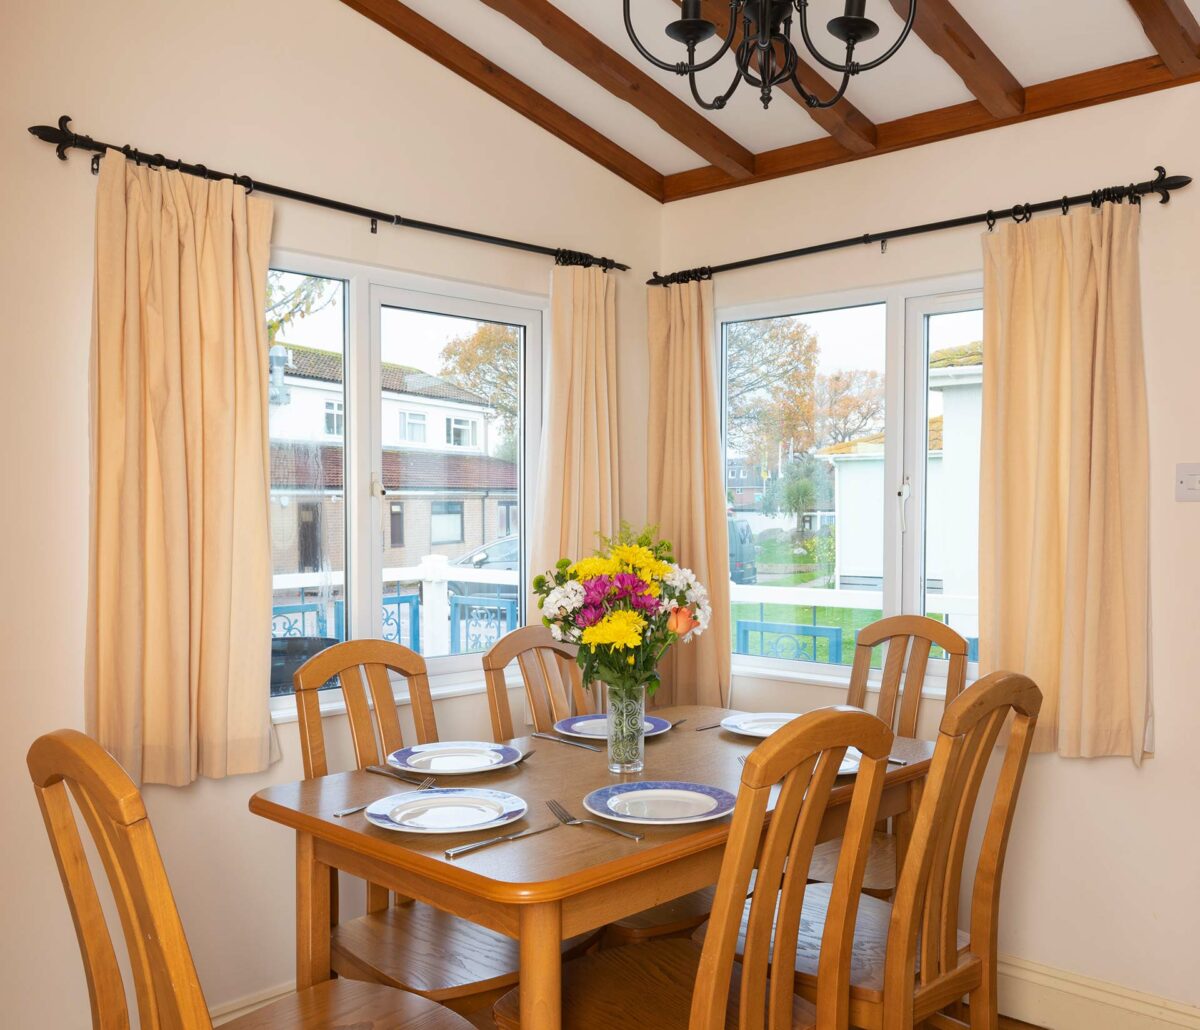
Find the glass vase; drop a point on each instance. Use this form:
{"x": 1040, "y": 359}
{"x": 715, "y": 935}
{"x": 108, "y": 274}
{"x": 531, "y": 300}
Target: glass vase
{"x": 626, "y": 727}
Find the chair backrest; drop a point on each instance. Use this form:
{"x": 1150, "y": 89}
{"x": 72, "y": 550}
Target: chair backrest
{"x": 67, "y": 763}
{"x": 925, "y": 910}
{"x": 908, "y": 637}
{"x": 553, "y": 682}
{"x": 361, "y": 666}
{"x": 803, "y": 759}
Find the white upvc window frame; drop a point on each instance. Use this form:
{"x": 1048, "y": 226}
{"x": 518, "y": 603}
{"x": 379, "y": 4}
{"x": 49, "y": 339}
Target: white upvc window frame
{"x": 905, "y": 394}
{"x": 368, "y": 288}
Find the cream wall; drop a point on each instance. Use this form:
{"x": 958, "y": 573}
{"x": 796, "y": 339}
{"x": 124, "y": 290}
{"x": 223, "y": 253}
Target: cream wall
{"x": 299, "y": 92}
{"x": 1101, "y": 879}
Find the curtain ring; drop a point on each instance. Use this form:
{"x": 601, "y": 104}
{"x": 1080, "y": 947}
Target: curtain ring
{"x": 991, "y": 220}
{"x": 95, "y": 164}
{"x": 246, "y": 182}
{"x": 1065, "y": 204}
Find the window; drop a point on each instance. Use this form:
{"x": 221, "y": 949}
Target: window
{"x": 306, "y": 325}
{"x": 412, "y": 426}
{"x": 335, "y": 418}
{"x": 462, "y": 432}
{"x": 446, "y": 522}
{"x": 397, "y": 524}
{"x": 507, "y": 523}
{"x": 865, "y": 417}
{"x": 372, "y": 529}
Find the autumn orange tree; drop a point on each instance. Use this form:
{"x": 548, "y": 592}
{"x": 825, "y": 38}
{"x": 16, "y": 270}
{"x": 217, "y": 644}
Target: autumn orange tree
{"x": 487, "y": 363}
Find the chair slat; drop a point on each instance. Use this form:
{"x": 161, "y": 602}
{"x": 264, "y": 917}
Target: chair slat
{"x": 547, "y": 667}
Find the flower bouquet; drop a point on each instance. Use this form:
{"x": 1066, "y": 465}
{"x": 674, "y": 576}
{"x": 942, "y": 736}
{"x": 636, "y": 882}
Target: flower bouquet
{"x": 624, "y": 606}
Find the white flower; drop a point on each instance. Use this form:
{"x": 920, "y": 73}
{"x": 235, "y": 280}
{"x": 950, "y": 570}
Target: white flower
{"x": 563, "y": 601}
{"x": 680, "y": 580}
{"x": 556, "y": 631}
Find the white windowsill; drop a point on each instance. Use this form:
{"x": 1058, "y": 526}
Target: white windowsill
{"x": 934, "y": 687}
{"x": 332, "y": 702}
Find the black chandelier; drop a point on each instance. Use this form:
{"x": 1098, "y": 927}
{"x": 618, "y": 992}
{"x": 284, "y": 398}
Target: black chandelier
{"x": 766, "y": 56}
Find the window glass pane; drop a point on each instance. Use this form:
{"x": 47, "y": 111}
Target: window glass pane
{"x": 954, "y": 349}
{"x": 448, "y": 588}
{"x": 306, "y": 327}
{"x": 804, "y": 415}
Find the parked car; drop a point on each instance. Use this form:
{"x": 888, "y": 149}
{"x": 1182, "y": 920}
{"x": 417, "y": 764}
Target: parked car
{"x": 743, "y": 559}
{"x": 503, "y": 554}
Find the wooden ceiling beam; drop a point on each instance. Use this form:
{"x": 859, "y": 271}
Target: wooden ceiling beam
{"x": 948, "y": 34}
{"x": 566, "y": 38}
{"x": 1060, "y": 95}
{"x": 448, "y": 51}
{"x": 1174, "y": 31}
{"x": 844, "y": 122}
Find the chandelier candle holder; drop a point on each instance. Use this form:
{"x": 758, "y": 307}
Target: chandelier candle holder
{"x": 624, "y": 607}
{"x": 766, "y": 57}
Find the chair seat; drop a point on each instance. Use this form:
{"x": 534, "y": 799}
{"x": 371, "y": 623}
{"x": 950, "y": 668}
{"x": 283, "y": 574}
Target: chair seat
{"x": 648, "y": 985}
{"x": 870, "y": 942}
{"x": 671, "y": 917}
{"x": 880, "y": 873}
{"x": 350, "y": 1003}
{"x": 419, "y": 948}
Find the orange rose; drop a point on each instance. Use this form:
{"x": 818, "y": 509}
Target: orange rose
{"x": 681, "y": 622}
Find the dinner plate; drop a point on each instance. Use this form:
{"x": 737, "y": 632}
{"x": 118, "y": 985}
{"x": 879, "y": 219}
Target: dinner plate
{"x": 660, "y": 802}
{"x": 454, "y": 757}
{"x": 446, "y": 810}
{"x": 757, "y": 724}
{"x": 850, "y": 762}
{"x": 595, "y": 727}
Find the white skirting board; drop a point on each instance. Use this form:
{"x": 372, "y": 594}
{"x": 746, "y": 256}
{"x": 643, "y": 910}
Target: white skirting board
{"x": 1059, "y": 1000}
{"x": 1029, "y": 991}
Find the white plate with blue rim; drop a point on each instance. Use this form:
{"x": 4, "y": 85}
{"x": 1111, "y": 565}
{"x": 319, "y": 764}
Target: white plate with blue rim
{"x": 757, "y": 724}
{"x": 660, "y": 802}
{"x": 454, "y": 758}
{"x": 446, "y": 810}
{"x": 595, "y": 727}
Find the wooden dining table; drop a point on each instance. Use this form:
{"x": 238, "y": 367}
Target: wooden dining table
{"x": 552, "y": 886}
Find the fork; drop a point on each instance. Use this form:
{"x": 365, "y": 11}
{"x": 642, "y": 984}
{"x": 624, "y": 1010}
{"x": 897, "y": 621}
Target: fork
{"x": 565, "y": 817}
{"x": 425, "y": 784}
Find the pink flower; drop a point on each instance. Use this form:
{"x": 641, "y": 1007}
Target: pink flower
{"x": 645, "y": 603}
{"x": 589, "y": 615}
{"x": 595, "y": 590}
{"x": 629, "y": 584}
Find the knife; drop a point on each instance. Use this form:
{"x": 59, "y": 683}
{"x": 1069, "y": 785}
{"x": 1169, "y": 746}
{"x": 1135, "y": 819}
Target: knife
{"x": 464, "y": 848}
{"x": 563, "y": 740}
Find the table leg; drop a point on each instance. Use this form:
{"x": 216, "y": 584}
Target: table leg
{"x": 541, "y": 966}
{"x": 312, "y": 915}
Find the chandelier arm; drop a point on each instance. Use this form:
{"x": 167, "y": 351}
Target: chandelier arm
{"x": 679, "y": 68}
{"x": 802, "y": 7}
{"x": 810, "y": 99}
{"x": 890, "y": 52}
{"x": 718, "y": 102}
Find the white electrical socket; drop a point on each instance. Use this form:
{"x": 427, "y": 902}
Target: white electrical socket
{"x": 1187, "y": 482}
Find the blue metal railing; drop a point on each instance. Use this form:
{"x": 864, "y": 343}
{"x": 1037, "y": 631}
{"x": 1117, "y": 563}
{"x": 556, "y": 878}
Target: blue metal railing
{"x": 401, "y": 619}
{"x": 476, "y": 623}
{"x": 786, "y": 640}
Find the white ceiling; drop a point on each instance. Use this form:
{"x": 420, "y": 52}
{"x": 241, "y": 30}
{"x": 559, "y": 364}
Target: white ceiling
{"x": 1038, "y": 40}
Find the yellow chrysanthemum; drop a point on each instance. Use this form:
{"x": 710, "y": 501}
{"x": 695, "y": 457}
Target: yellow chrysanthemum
{"x": 588, "y": 568}
{"x": 635, "y": 558}
{"x": 618, "y": 630}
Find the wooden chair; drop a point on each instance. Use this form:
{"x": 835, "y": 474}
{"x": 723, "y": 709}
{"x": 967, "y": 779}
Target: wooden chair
{"x": 651, "y": 983}
{"x": 66, "y": 763}
{"x": 401, "y": 943}
{"x": 909, "y": 960}
{"x": 554, "y": 690}
{"x": 553, "y": 684}
{"x": 909, "y": 639}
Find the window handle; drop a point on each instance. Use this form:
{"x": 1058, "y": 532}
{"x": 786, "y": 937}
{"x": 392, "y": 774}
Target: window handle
{"x": 377, "y": 489}
{"x": 902, "y": 496}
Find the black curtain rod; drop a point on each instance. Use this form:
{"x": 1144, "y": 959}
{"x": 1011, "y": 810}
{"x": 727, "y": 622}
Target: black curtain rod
{"x": 1162, "y": 184}
{"x": 64, "y": 139}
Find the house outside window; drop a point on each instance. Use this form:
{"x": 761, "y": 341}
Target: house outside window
{"x": 412, "y": 426}
{"x": 508, "y": 523}
{"x": 446, "y": 522}
{"x": 335, "y": 418}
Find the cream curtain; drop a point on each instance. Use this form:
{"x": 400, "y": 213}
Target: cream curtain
{"x": 578, "y": 495}
{"x": 1063, "y": 584}
{"x": 687, "y": 493}
{"x": 180, "y": 585}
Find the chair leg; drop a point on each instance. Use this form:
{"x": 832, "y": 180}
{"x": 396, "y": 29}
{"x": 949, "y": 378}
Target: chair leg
{"x": 982, "y": 1008}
